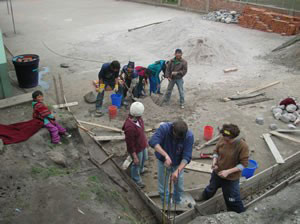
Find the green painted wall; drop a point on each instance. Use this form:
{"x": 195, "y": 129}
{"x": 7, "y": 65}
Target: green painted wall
{"x": 5, "y": 85}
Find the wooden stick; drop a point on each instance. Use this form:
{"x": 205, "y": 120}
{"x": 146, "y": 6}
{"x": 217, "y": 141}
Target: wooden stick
{"x": 109, "y": 138}
{"x": 62, "y": 92}
{"x": 209, "y": 142}
{"x": 254, "y": 101}
{"x": 56, "y": 90}
{"x": 85, "y": 129}
{"x": 150, "y": 24}
{"x": 259, "y": 88}
{"x": 101, "y": 126}
{"x": 106, "y": 159}
{"x": 67, "y": 105}
{"x": 285, "y": 136}
{"x": 241, "y": 97}
{"x": 288, "y": 130}
{"x": 273, "y": 148}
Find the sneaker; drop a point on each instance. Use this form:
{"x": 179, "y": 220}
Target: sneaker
{"x": 182, "y": 106}
{"x": 145, "y": 170}
{"x": 141, "y": 185}
{"x": 67, "y": 135}
{"x": 99, "y": 113}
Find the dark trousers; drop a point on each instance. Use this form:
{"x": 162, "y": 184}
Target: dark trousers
{"x": 231, "y": 192}
{"x": 137, "y": 92}
{"x": 128, "y": 84}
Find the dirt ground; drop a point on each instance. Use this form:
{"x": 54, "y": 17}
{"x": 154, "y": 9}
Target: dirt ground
{"x": 88, "y": 31}
{"x": 280, "y": 208}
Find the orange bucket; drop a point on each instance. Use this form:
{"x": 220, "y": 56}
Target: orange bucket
{"x": 112, "y": 111}
{"x": 208, "y": 132}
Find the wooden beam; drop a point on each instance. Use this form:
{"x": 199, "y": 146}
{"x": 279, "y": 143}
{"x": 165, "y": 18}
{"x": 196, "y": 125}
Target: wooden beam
{"x": 285, "y": 137}
{"x": 65, "y": 105}
{"x": 288, "y": 130}
{"x": 234, "y": 69}
{"x": 15, "y": 100}
{"x": 259, "y": 88}
{"x": 199, "y": 167}
{"x": 241, "y": 97}
{"x": 109, "y": 138}
{"x": 101, "y": 126}
{"x": 254, "y": 101}
{"x": 109, "y": 157}
{"x": 273, "y": 148}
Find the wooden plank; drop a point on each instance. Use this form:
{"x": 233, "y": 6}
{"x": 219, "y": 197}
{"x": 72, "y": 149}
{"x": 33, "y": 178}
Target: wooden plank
{"x": 106, "y": 159}
{"x": 199, "y": 167}
{"x": 285, "y": 136}
{"x": 65, "y": 105}
{"x": 241, "y": 97}
{"x": 208, "y": 143}
{"x": 234, "y": 69}
{"x": 101, "y": 126}
{"x": 15, "y": 100}
{"x": 254, "y": 101}
{"x": 259, "y": 88}
{"x": 273, "y": 148}
{"x": 252, "y": 90}
{"x": 109, "y": 138}
{"x": 288, "y": 130}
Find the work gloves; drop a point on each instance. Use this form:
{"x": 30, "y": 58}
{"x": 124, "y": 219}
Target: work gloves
{"x": 116, "y": 89}
{"x": 101, "y": 88}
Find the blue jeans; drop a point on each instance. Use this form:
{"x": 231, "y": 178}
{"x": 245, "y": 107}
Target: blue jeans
{"x": 100, "y": 96}
{"x": 178, "y": 186}
{"x": 231, "y": 192}
{"x": 179, "y": 83}
{"x": 137, "y": 169}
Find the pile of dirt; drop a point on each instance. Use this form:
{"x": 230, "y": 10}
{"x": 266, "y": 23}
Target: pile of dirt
{"x": 289, "y": 57}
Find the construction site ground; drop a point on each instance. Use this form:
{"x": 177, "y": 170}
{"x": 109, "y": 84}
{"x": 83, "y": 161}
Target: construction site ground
{"x": 97, "y": 31}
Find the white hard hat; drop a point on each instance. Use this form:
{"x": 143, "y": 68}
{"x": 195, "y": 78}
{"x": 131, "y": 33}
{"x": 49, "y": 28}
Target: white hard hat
{"x": 137, "y": 109}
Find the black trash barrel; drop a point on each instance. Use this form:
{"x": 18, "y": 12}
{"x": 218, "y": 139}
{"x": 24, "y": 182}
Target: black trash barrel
{"x": 27, "y": 70}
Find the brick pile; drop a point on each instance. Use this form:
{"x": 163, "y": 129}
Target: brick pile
{"x": 268, "y": 21}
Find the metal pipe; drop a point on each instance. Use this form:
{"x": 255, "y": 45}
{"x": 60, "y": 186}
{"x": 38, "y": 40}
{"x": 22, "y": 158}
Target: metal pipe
{"x": 12, "y": 16}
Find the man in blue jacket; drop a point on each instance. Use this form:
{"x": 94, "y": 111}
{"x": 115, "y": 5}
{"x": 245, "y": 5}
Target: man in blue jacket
{"x": 173, "y": 144}
{"x": 108, "y": 76}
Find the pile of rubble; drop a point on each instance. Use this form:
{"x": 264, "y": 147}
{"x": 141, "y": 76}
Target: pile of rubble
{"x": 287, "y": 111}
{"x": 223, "y": 16}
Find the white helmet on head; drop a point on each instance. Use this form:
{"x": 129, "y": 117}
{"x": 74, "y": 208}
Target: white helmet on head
{"x": 137, "y": 109}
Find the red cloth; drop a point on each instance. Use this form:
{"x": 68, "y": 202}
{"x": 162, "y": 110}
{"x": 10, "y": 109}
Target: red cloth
{"x": 19, "y": 132}
{"x": 135, "y": 137}
{"x": 287, "y": 101}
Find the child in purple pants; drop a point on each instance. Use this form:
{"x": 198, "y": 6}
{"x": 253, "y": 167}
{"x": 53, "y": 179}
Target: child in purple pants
{"x": 42, "y": 112}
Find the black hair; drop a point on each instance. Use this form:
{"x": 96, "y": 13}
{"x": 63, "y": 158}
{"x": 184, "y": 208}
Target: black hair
{"x": 180, "y": 128}
{"x": 130, "y": 64}
{"x": 178, "y": 51}
{"x": 115, "y": 65}
{"x": 148, "y": 72}
{"x": 230, "y": 130}
{"x": 36, "y": 93}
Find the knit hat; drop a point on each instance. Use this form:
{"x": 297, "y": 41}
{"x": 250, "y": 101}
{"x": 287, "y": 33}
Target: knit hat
{"x": 130, "y": 64}
{"x": 137, "y": 109}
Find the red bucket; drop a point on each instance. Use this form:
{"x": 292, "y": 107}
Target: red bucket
{"x": 208, "y": 132}
{"x": 112, "y": 111}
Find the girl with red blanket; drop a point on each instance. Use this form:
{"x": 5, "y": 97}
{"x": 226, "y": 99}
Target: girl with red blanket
{"x": 42, "y": 112}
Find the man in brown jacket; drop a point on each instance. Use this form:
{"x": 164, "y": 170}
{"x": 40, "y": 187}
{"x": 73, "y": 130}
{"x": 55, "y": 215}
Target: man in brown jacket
{"x": 176, "y": 70}
{"x": 230, "y": 158}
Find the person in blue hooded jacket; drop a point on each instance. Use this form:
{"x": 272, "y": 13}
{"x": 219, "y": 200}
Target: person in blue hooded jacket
{"x": 173, "y": 144}
{"x": 156, "y": 68}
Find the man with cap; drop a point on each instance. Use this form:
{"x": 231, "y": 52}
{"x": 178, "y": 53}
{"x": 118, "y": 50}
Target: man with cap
{"x": 108, "y": 77}
{"x": 175, "y": 71}
{"x": 229, "y": 159}
{"x": 129, "y": 75}
{"x": 136, "y": 141}
{"x": 173, "y": 144}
